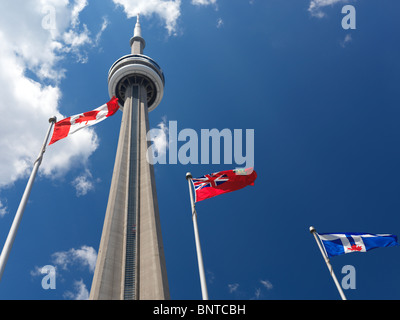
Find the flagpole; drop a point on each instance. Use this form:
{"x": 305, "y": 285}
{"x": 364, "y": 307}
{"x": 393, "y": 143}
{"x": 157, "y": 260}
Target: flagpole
{"x": 197, "y": 239}
{"x": 18, "y": 216}
{"x": 314, "y": 232}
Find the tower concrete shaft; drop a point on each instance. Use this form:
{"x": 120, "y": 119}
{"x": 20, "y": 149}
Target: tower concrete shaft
{"x": 131, "y": 262}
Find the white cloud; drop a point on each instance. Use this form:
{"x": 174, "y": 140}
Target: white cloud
{"x": 80, "y": 292}
{"x": 233, "y": 287}
{"x": 346, "y": 40}
{"x": 85, "y": 256}
{"x": 84, "y": 183}
{"x": 210, "y": 276}
{"x": 203, "y": 2}
{"x": 76, "y": 10}
{"x": 258, "y": 291}
{"x": 160, "y": 139}
{"x": 168, "y": 10}
{"x": 3, "y": 210}
{"x": 103, "y": 28}
{"x": 220, "y": 23}
{"x": 47, "y": 31}
{"x": 315, "y": 7}
{"x": 38, "y": 38}
{"x": 75, "y": 39}
{"x": 37, "y": 271}
{"x": 267, "y": 284}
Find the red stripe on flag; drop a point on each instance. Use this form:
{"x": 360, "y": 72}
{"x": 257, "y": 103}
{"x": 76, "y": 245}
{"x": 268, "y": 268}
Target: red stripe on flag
{"x": 113, "y": 106}
{"x": 61, "y": 130}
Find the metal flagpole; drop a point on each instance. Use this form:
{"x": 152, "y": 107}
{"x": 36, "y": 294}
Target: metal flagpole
{"x": 18, "y": 216}
{"x": 314, "y": 232}
{"x": 197, "y": 239}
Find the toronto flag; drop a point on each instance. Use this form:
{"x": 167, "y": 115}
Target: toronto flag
{"x": 341, "y": 243}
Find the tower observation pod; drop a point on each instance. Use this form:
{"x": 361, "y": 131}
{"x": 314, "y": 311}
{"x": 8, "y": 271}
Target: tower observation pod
{"x": 131, "y": 262}
{"x": 138, "y": 70}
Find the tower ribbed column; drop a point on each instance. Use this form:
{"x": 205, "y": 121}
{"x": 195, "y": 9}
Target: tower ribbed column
{"x": 131, "y": 262}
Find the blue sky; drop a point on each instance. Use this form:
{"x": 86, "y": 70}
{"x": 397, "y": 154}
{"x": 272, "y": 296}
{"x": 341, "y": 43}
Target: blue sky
{"x": 323, "y": 102}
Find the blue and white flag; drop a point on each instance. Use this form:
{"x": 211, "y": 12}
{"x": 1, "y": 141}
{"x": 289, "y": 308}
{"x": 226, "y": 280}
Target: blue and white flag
{"x": 336, "y": 244}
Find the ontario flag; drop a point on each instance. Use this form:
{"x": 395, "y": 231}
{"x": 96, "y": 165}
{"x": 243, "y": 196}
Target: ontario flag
{"x": 214, "y": 184}
{"x": 70, "y": 125}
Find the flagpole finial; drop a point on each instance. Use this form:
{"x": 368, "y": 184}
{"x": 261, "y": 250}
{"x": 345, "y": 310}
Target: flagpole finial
{"x": 188, "y": 176}
{"x": 53, "y": 120}
{"x": 312, "y": 229}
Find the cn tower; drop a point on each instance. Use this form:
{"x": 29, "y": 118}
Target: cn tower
{"x": 131, "y": 262}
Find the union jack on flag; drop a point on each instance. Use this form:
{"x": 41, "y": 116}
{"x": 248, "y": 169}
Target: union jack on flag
{"x": 209, "y": 180}
{"x": 214, "y": 184}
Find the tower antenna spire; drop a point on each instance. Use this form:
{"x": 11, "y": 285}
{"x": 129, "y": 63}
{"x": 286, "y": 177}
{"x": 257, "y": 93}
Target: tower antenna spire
{"x": 138, "y": 27}
{"x": 137, "y": 42}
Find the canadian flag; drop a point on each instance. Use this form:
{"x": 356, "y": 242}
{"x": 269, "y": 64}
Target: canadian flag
{"x": 67, "y": 126}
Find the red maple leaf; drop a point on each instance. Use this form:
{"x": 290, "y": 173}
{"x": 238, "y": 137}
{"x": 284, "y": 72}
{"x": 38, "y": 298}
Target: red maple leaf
{"x": 87, "y": 116}
{"x": 355, "y": 248}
